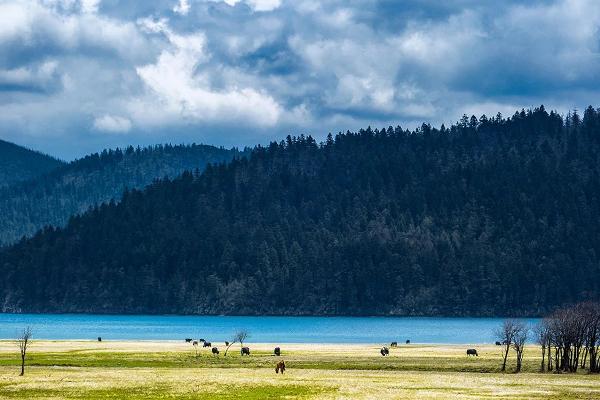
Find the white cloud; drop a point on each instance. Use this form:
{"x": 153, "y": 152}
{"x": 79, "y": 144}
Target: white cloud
{"x": 179, "y": 90}
{"x": 40, "y": 77}
{"x": 264, "y": 5}
{"x": 90, "y": 6}
{"x": 182, "y": 7}
{"x": 309, "y": 66}
{"x": 256, "y": 5}
{"x": 85, "y": 6}
{"x": 31, "y": 25}
{"x": 112, "y": 124}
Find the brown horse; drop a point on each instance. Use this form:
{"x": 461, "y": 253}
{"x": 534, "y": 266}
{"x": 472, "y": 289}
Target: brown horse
{"x": 280, "y": 367}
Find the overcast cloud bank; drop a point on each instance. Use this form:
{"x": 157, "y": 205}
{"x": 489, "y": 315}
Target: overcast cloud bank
{"x": 80, "y": 75}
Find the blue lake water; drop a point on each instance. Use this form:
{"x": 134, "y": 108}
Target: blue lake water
{"x": 261, "y": 329}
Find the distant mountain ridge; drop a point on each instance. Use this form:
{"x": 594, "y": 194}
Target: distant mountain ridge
{"x": 72, "y": 188}
{"x": 18, "y": 164}
{"x": 490, "y": 217}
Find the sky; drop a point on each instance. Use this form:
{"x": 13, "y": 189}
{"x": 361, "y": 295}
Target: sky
{"x": 77, "y": 76}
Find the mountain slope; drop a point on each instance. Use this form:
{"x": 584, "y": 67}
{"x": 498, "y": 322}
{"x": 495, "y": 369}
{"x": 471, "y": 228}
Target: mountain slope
{"x": 73, "y": 188}
{"x": 491, "y": 217}
{"x": 20, "y": 164}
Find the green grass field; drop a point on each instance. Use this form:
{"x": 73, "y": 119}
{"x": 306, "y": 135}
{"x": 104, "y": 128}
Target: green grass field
{"x": 169, "y": 370}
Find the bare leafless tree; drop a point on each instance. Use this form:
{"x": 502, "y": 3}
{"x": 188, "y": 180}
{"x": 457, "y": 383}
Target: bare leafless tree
{"x": 567, "y": 330}
{"x": 579, "y": 323}
{"x": 590, "y": 313}
{"x": 519, "y": 341}
{"x": 229, "y": 345}
{"x": 506, "y": 335}
{"x": 239, "y": 336}
{"x": 23, "y": 341}
{"x": 574, "y": 336}
{"x": 542, "y": 336}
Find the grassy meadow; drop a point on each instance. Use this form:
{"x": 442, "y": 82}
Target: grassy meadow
{"x": 174, "y": 370}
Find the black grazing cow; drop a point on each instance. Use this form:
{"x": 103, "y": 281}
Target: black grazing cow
{"x": 195, "y": 343}
{"x": 245, "y": 351}
{"x": 207, "y": 344}
{"x": 472, "y": 352}
{"x": 280, "y": 367}
{"x": 407, "y": 341}
{"x": 99, "y": 339}
{"x": 215, "y": 351}
{"x": 277, "y": 351}
{"x": 498, "y": 344}
{"x": 188, "y": 340}
{"x": 384, "y": 351}
{"x": 226, "y": 343}
{"x": 201, "y": 340}
{"x": 394, "y": 344}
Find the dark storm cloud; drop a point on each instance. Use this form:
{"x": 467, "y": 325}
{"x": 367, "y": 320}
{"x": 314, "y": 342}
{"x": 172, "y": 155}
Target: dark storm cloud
{"x": 78, "y": 75}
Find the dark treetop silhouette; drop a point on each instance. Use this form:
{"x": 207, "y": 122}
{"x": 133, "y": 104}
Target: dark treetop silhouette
{"x": 18, "y": 164}
{"x": 488, "y": 217}
{"x": 73, "y": 188}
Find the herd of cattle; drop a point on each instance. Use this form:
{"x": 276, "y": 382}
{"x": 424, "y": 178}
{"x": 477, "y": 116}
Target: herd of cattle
{"x": 385, "y": 351}
{"x": 245, "y": 351}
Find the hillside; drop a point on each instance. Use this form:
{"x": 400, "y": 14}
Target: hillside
{"x": 492, "y": 216}
{"x": 73, "y": 188}
{"x": 20, "y": 164}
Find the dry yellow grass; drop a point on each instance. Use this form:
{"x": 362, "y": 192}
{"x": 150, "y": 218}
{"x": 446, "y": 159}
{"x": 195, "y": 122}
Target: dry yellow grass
{"x": 259, "y": 380}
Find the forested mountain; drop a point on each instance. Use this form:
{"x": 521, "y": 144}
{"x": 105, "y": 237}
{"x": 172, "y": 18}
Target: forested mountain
{"x": 20, "y": 164}
{"x": 492, "y": 216}
{"x": 73, "y": 188}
